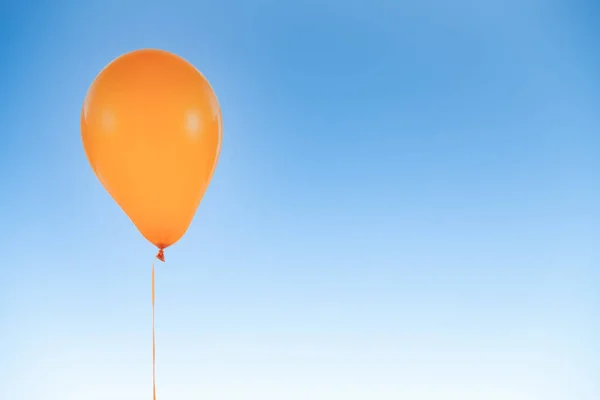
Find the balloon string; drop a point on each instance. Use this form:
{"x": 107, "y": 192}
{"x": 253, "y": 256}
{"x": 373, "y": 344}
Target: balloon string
{"x": 153, "y": 342}
{"x": 161, "y": 257}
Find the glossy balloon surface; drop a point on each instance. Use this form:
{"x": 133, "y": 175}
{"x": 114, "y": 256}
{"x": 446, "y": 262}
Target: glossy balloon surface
{"x": 151, "y": 129}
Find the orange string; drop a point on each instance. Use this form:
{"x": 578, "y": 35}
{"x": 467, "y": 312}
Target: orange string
{"x": 153, "y": 342}
{"x": 161, "y": 257}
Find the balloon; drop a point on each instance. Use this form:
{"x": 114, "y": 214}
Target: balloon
{"x": 151, "y": 129}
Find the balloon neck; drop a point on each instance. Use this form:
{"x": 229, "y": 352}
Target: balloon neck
{"x": 161, "y": 255}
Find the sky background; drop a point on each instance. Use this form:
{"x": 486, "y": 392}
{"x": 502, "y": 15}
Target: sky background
{"x": 406, "y": 205}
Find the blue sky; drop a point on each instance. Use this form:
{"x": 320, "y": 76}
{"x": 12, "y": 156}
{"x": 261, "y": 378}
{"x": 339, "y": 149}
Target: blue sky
{"x": 406, "y": 205}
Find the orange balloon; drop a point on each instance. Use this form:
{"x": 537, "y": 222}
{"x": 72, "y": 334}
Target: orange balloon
{"x": 151, "y": 129}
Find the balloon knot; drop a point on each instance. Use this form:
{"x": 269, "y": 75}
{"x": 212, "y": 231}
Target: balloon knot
{"x": 161, "y": 255}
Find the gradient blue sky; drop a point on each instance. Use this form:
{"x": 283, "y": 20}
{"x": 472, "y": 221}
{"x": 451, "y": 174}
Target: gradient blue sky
{"x": 406, "y": 205}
